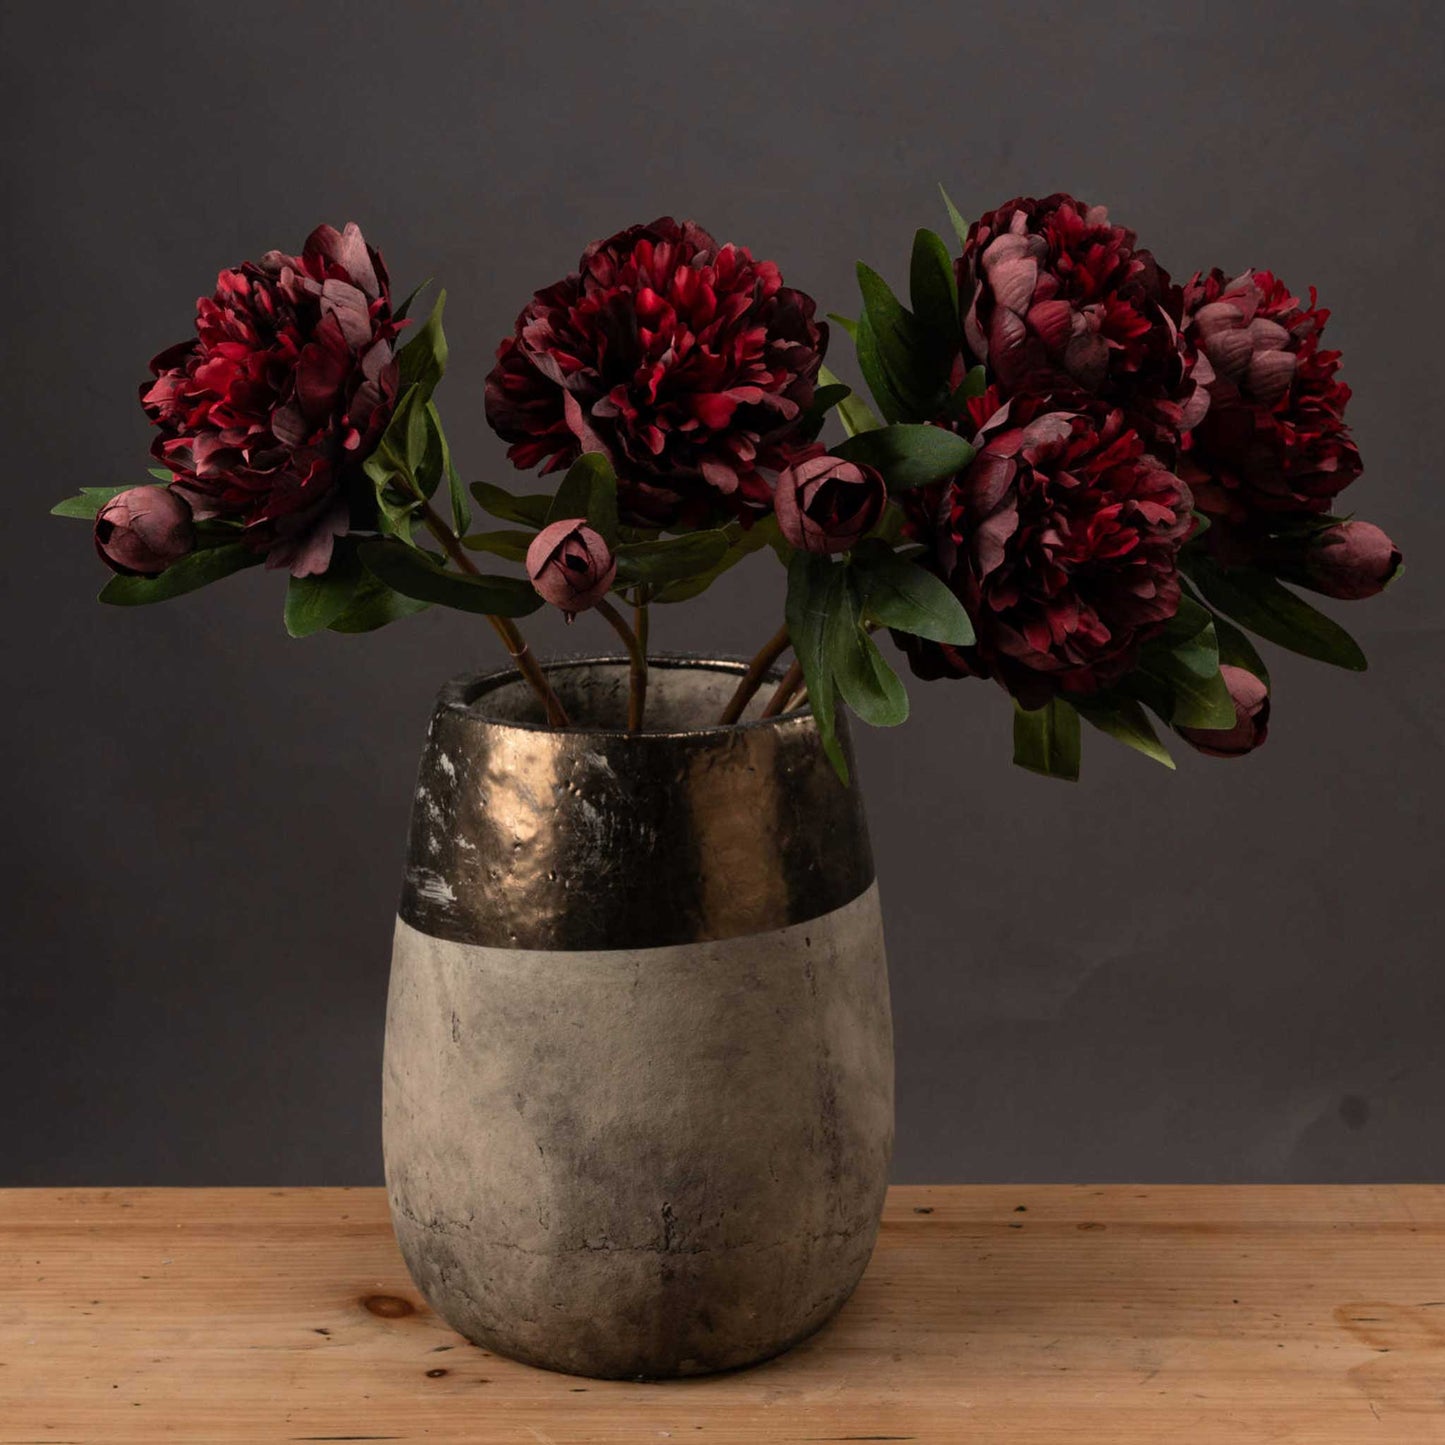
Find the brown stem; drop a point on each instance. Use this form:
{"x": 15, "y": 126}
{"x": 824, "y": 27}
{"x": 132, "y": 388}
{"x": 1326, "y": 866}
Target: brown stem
{"x": 782, "y": 696}
{"x": 752, "y": 679}
{"x": 506, "y": 629}
{"x": 640, "y": 620}
{"x": 637, "y": 670}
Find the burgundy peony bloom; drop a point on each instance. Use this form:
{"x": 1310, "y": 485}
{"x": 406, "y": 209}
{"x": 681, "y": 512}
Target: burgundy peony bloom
{"x": 143, "y": 531}
{"x": 268, "y": 413}
{"x": 687, "y": 363}
{"x": 826, "y": 504}
{"x": 571, "y": 566}
{"x": 1058, "y": 301}
{"x": 1350, "y": 560}
{"x": 1251, "y": 711}
{"x": 1061, "y": 540}
{"x": 1274, "y": 442}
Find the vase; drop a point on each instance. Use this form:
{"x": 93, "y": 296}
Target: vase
{"x": 638, "y": 1097}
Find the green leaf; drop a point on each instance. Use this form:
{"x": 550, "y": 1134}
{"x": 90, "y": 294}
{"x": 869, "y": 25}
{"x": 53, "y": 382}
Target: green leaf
{"x": 461, "y": 507}
{"x": 530, "y": 510}
{"x": 960, "y": 226}
{"x": 197, "y": 570}
{"x": 846, "y": 323}
{"x": 855, "y": 413}
{"x": 908, "y": 455}
{"x": 974, "y": 383}
{"x": 1256, "y": 601}
{"x": 910, "y": 355}
{"x": 420, "y": 575}
{"x": 864, "y": 679}
{"x": 825, "y": 398}
{"x": 1123, "y": 718}
{"x": 900, "y": 594}
{"x": 404, "y": 310}
{"x": 390, "y": 466}
{"x": 870, "y": 363}
{"x": 933, "y": 290}
{"x": 670, "y": 559}
{"x": 90, "y": 501}
{"x": 162, "y": 474}
{"x": 1046, "y": 740}
{"x": 374, "y": 605}
{"x": 511, "y": 545}
{"x": 589, "y": 490}
{"x": 423, "y": 360}
{"x": 1235, "y": 646}
{"x": 314, "y": 603}
{"x": 762, "y": 533}
{"x": 816, "y": 590}
{"x": 1178, "y": 672}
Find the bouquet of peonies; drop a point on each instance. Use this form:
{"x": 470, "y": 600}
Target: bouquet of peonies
{"x": 1077, "y": 478}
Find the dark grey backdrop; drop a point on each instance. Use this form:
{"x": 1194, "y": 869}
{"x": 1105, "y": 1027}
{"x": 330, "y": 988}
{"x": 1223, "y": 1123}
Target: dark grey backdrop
{"x": 1231, "y": 973}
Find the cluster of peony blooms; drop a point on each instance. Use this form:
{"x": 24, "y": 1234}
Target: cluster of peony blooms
{"x": 1077, "y": 478}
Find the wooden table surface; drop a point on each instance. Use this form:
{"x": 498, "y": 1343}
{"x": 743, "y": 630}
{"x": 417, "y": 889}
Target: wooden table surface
{"x": 1021, "y": 1314}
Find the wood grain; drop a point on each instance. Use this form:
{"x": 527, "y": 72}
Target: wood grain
{"x": 1026, "y": 1315}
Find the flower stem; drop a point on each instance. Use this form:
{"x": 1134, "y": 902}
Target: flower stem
{"x": 506, "y": 629}
{"x": 783, "y": 694}
{"x": 637, "y": 671}
{"x": 752, "y": 679}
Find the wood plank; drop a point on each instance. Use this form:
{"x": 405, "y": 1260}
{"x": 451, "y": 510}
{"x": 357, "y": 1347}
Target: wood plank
{"x": 1028, "y": 1315}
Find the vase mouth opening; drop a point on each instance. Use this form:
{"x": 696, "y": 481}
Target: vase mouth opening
{"x": 686, "y": 694}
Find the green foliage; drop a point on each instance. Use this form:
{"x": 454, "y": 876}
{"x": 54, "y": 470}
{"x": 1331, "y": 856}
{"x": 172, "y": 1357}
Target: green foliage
{"x": 816, "y": 587}
{"x": 512, "y": 545}
{"x": 1255, "y": 600}
{"x": 91, "y": 500}
{"x": 671, "y": 559}
{"x": 933, "y": 291}
{"x": 908, "y": 455}
{"x": 1178, "y": 672}
{"x": 423, "y": 360}
{"x": 904, "y": 360}
{"x": 863, "y": 678}
{"x": 741, "y": 543}
{"x": 530, "y": 510}
{"x": 422, "y": 576}
{"x": 199, "y": 569}
{"x": 855, "y": 413}
{"x": 404, "y": 310}
{"x": 960, "y": 226}
{"x": 589, "y": 490}
{"x": 1046, "y": 740}
{"x": 1124, "y": 719}
{"x": 315, "y": 603}
{"x": 373, "y": 605}
{"x": 898, "y": 593}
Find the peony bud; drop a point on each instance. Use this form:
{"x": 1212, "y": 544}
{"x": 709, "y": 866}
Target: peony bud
{"x": 1251, "y": 713}
{"x": 1350, "y": 560}
{"x": 825, "y": 504}
{"x": 143, "y": 531}
{"x": 571, "y": 566}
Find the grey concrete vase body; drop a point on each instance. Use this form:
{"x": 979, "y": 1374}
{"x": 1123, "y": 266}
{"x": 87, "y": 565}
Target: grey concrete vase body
{"x": 638, "y": 1104}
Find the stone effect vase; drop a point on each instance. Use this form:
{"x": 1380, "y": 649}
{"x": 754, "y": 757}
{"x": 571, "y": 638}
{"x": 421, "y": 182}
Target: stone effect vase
{"x": 638, "y": 1104}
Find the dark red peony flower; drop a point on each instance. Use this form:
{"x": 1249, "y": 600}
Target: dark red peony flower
{"x": 1274, "y": 442}
{"x": 1057, "y": 301}
{"x": 826, "y": 504}
{"x": 1061, "y": 540}
{"x": 687, "y": 363}
{"x": 142, "y": 531}
{"x": 571, "y": 566}
{"x": 268, "y": 413}
{"x": 1251, "y": 718}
